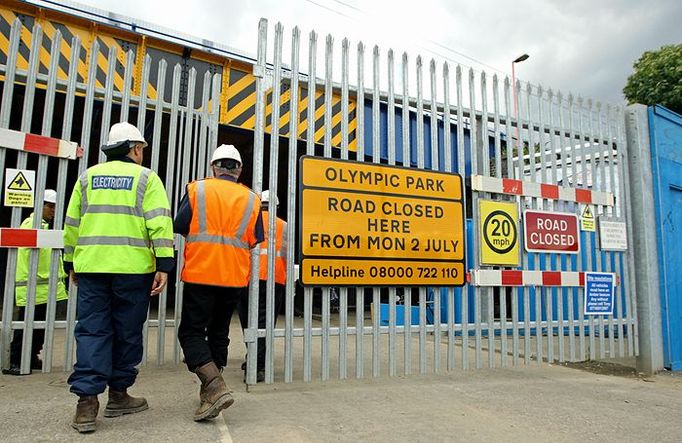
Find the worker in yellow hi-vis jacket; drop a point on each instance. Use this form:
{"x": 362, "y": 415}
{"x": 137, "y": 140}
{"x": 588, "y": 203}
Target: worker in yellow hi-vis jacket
{"x": 118, "y": 248}
{"x": 42, "y": 289}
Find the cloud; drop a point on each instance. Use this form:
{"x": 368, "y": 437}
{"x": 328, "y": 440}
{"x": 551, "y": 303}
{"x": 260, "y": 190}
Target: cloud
{"x": 578, "y": 46}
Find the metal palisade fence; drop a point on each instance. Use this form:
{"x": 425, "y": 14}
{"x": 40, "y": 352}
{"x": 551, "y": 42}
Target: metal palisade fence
{"x": 183, "y": 133}
{"x": 568, "y": 153}
{"x": 562, "y": 154}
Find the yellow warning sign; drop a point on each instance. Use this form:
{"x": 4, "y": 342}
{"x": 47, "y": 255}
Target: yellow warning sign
{"x": 499, "y": 231}
{"x": 587, "y": 221}
{"x": 366, "y": 225}
{"x": 19, "y": 187}
{"x": 19, "y": 183}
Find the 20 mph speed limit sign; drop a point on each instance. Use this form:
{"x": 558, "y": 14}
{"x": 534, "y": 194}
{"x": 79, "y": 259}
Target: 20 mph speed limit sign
{"x": 499, "y": 232}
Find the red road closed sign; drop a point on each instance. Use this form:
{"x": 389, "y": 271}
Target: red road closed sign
{"x": 551, "y": 232}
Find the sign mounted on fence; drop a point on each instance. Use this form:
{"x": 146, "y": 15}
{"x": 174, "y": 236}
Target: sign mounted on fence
{"x": 499, "y": 229}
{"x": 599, "y": 292}
{"x": 551, "y": 232}
{"x": 612, "y": 235}
{"x": 19, "y": 187}
{"x": 365, "y": 224}
{"x": 587, "y": 219}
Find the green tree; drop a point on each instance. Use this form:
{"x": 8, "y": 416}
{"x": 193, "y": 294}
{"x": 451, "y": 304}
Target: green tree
{"x": 657, "y": 78}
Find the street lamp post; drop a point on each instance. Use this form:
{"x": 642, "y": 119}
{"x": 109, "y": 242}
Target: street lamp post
{"x": 516, "y": 106}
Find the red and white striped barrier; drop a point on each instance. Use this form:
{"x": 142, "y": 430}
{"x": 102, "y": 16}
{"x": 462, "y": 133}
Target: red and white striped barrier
{"x": 499, "y": 277}
{"x": 509, "y": 186}
{"x": 31, "y": 238}
{"x": 39, "y": 144}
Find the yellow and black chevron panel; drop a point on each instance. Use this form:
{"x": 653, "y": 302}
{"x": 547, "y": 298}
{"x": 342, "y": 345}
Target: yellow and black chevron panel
{"x": 87, "y": 37}
{"x": 87, "y": 34}
{"x": 240, "y": 110}
{"x": 238, "y": 97}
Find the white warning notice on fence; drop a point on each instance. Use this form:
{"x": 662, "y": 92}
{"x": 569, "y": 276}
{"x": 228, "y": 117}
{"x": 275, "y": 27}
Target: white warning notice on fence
{"x": 19, "y": 187}
{"x": 612, "y": 235}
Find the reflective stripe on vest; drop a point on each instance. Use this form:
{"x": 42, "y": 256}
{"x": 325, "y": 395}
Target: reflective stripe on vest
{"x": 120, "y": 220}
{"x": 116, "y": 209}
{"x": 204, "y": 237}
{"x": 281, "y": 243}
{"x": 40, "y": 281}
{"x": 221, "y": 233}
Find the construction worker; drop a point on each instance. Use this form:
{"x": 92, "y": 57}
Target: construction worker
{"x": 42, "y": 287}
{"x": 280, "y": 275}
{"x": 221, "y": 222}
{"x": 118, "y": 249}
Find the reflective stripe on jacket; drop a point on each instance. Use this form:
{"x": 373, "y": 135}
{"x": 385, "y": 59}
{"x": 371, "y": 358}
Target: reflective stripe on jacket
{"x": 43, "y": 277}
{"x": 221, "y": 233}
{"x": 281, "y": 245}
{"x": 118, "y": 220}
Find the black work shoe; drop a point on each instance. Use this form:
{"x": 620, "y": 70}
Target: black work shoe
{"x": 13, "y": 370}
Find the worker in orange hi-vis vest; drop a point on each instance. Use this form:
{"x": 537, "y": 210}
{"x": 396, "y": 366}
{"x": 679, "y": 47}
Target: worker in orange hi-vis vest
{"x": 221, "y": 221}
{"x": 280, "y": 275}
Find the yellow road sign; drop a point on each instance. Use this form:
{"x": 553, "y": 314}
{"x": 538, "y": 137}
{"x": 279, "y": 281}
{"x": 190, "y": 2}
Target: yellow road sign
{"x": 363, "y": 218}
{"x": 325, "y": 271}
{"x": 499, "y": 232}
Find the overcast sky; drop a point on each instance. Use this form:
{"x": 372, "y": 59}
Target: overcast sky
{"x": 582, "y": 46}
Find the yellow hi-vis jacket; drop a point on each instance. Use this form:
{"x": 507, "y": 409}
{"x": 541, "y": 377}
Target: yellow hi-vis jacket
{"x": 44, "y": 262}
{"x": 118, "y": 220}
{"x": 281, "y": 245}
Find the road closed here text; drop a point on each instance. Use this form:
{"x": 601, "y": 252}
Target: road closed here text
{"x": 344, "y": 224}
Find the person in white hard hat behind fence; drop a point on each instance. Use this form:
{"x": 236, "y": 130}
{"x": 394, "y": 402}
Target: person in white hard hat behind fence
{"x": 42, "y": 289}
{"x": 221, "y": 222}
{"x": 118, "y": 248}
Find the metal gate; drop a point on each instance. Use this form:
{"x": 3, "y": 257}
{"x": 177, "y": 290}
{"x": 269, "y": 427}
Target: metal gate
{"x": 561, "y": 152}
{"x": 180, "y": 132}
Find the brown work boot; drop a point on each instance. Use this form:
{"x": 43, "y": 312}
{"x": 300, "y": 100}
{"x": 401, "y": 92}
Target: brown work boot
{"x": 86, "y": 414}
{"x": 214, "y": 394}
{"x": 121, "y": 403}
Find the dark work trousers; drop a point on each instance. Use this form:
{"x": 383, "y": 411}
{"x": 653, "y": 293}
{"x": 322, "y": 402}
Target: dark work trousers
{"x": 244, "y": 314}
{"x": 38, "y": 335}
{"x": 205, "y": 323}
{"x": 111, "y": 312}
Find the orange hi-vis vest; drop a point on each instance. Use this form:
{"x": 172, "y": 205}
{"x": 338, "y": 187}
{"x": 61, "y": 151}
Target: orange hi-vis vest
{"x": 221, "y": 233}
{"x": 280, "y": 251}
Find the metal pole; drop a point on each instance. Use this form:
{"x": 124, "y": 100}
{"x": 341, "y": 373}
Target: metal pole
{"x": 650, "y": 357}
{"x": 516, "y": 106}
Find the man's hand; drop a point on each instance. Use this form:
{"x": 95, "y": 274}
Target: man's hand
{"x": 73, "y": 277}
{"x": 160, "y": 280}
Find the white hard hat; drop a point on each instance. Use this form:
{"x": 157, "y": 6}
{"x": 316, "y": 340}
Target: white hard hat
{"x": 124, "y": 131}
{"x": 50, "y": 196}
{"x": 226, "y": 152}
{"x": 265, "y": 198}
